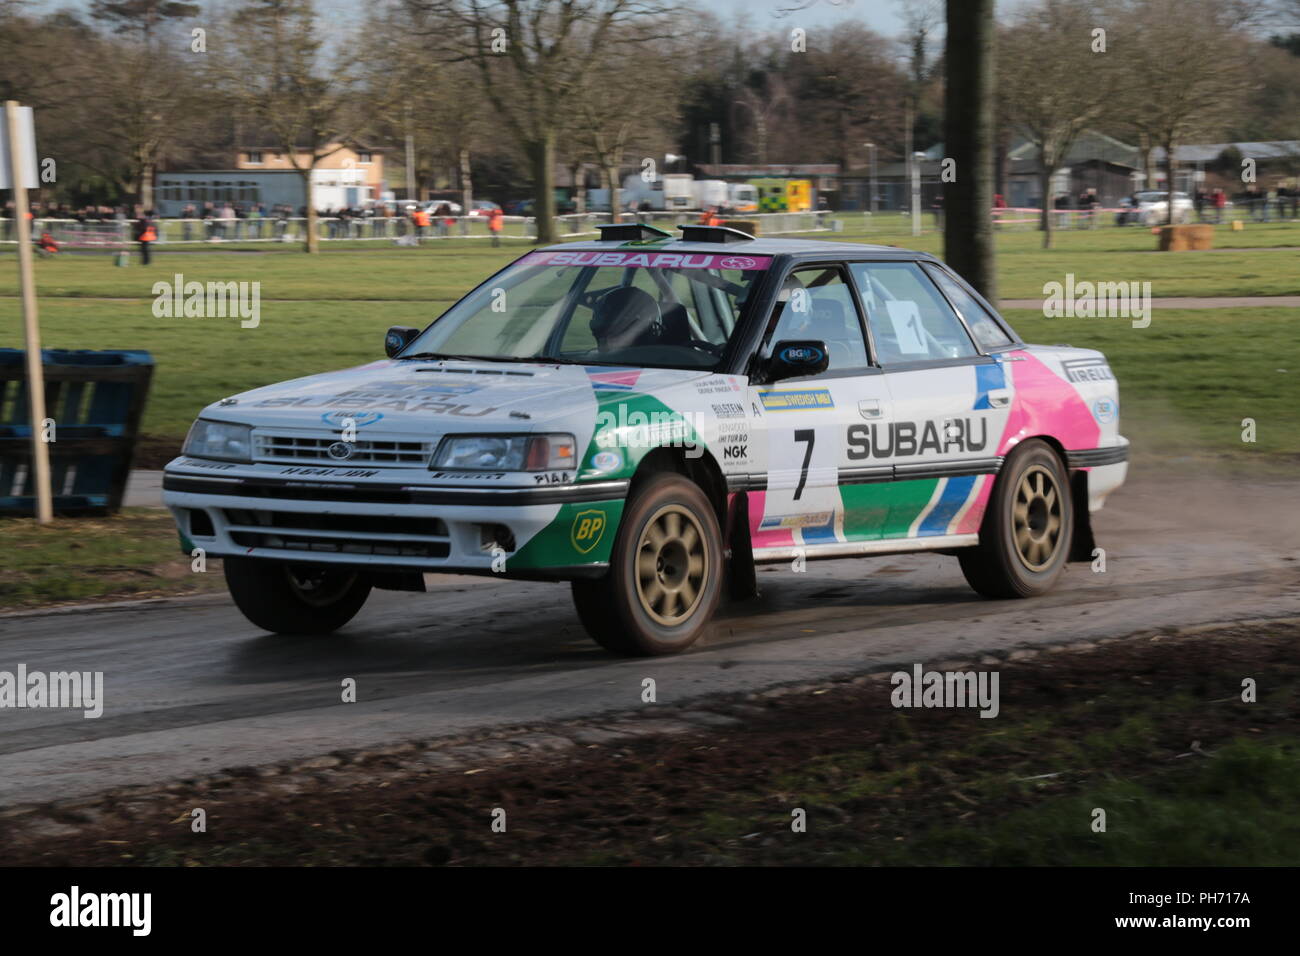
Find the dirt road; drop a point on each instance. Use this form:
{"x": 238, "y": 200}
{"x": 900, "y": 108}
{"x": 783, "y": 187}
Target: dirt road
{"x": 190, "y": 688}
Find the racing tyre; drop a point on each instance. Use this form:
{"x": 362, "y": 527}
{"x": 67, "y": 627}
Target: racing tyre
{"x": 665, "y": 573}
{"x": 1027, "y": 530}
{"x": 295, "y": 598}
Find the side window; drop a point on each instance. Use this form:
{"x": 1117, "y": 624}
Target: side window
{"x": 817, "y": 303}
{"x": 987, "y": 332}
{"x": 910, "y": 320}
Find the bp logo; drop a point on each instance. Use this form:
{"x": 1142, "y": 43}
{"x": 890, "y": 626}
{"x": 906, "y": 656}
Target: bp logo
{"x": 588, "y": 528}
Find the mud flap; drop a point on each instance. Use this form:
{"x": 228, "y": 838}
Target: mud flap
{"x": 742, "y": 577}
{"x": 1082, "y": 547}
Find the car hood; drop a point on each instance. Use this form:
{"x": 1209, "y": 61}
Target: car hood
{"x": 436, "y": 396}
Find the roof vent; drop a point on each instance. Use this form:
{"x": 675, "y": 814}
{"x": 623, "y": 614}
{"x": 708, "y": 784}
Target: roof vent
{"x": 630, "y": 232}
{"x": 713, "y": 234}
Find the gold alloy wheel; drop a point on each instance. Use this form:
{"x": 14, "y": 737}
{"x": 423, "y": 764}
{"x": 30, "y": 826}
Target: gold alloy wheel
{"x": 1036, "y": 518}
{"x": 672, "y": 565}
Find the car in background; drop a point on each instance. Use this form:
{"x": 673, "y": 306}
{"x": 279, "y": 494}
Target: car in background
{"x": 648, "y": 418}
{"x": 483, "y": 207}
{"x": 1151, "y": 208}
{"x": 433, "y": 205}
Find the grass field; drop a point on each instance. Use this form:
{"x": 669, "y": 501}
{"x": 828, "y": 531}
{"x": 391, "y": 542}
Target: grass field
{"x": 1187, "y": 381}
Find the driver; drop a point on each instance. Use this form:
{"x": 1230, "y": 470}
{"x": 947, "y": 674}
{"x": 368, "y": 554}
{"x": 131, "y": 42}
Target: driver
{"x": 625, "y": 317}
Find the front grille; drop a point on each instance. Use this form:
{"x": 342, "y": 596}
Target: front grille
{"x": 365, "y": 451}
{"x": 338, "y": 534}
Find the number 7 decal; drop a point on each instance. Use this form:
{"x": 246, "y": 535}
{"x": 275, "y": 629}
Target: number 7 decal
{"x": 810, "y": 436}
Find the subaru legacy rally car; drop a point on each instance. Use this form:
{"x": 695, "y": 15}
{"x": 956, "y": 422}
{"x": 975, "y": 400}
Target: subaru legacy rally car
{"x": 649, "y": 417}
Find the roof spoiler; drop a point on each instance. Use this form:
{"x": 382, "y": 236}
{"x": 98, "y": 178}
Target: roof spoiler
{"x": 630, "y": 232}
{"x": 697, "y": 233}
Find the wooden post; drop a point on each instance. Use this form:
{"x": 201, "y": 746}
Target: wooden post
{"x": 35, "y": 371}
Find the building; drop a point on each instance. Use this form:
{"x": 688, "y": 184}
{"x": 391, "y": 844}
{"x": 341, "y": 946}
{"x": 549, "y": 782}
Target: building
{"x": 350, "y": 176}
{"x": 1095, "y": 161}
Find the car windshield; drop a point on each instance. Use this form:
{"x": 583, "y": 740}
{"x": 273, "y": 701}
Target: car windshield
{"x": 639, "y": 307}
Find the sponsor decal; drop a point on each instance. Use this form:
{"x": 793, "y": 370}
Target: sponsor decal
{"x": 1105, "y": 410}
{"x": 916, "y": 438}
{"x": 467, "y": 475}
{"x": 613, "y": 379}
{"x": 553, "y": 478}
{"x": 735, "y": 451}
{"x": 607, "y": 461}
{"x": 813, "y": 520}
{"x": 797, "y": 399}
{"x": 358, "y": 419}
{"x": 648, "y": 260}
{"x": 200, "y": 463}
{"x": 1087, "y": 370}
{"x": 329, "y": 472}
{"x": 801, "y": 355}
{"x": 729, "y": 410}
{"x": 588, "y": 528}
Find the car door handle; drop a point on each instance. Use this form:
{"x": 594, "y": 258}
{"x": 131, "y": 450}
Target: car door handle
{"x": 999, "y": 398}
{"x": 869, "y": 408}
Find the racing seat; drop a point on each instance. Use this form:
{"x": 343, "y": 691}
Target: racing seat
{"x": 625, "y": 317}
{"x": 828, "y": 324}
{"x": 676, "y": 326}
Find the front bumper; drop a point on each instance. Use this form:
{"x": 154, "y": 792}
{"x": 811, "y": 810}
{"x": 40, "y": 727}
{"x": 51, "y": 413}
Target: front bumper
{"x": 380, "y": 524}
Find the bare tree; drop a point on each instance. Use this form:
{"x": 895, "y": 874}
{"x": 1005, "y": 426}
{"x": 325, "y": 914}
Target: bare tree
{"x": 624, "y": 104}
{"x": 1055, "y": 82}
{"x": 968, "y": 139}
{"x": 531, "y": 57}
{"x": 272, "y": 71}
{"x": 1188, "y": 72}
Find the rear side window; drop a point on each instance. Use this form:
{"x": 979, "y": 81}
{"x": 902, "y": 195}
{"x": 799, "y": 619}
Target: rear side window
{"x": 910, "y": 321}
{"x": 987, "y": 332}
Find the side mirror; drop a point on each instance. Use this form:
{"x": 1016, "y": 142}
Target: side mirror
{"x": 397, "y": 338}
{"x": 792, "y": 358}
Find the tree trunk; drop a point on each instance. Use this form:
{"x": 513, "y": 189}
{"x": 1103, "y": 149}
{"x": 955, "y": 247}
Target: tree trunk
{"x": 1045, "y": 177}
{"x": 579, "y": 189}
{"x": 1169, "y": 180}
{"x": 615, "y": 197}
{"x": 541, "y": 156}
{"x": 466, "y": 183}
{"x": 312, "y": 241}
{"x": 146, "y": 187}
{"x": 968, "y": 139}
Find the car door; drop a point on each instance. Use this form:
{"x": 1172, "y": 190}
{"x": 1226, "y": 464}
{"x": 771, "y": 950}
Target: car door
{"x": 804, "y": 421}
{"x": 950, "y": 397}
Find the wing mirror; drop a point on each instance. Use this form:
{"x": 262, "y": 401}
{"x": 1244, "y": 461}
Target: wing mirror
{"x": 397, "y": 338}
{"x": 791, "y": 358}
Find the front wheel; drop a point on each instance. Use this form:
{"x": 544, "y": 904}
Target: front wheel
{"x": 1027, "y": 530}
{"x": 665, "y": 573}
{"x": 295, "y": 598}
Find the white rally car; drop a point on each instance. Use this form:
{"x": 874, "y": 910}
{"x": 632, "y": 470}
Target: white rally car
{"x": 648, "y": 418}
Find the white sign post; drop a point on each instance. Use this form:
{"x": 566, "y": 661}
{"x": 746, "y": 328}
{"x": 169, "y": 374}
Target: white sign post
{"x": 18, "y": 173}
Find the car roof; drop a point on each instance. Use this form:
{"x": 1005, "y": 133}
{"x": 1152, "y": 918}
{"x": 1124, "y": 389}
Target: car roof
{"x": 802, "y": 248}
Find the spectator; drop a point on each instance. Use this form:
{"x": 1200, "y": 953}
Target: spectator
{"x": 145, "y": 234}
{"x": 187, "y": 222}
{"x": 1220, "y": 199}
{"x": 496, "y": 219}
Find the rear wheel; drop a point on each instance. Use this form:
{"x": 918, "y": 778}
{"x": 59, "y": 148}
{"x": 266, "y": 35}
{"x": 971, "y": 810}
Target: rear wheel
{"x": 664, "y": 575}
{"x": 295, "y": 598}
{"x": 1027, "y": 530}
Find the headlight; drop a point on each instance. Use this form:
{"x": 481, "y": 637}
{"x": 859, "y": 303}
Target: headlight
{"x": 506, "y": 453}
{"x": 219, "y": 440}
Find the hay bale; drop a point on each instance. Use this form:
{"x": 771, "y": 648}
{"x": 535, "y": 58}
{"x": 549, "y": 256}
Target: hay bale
{"x": 1183, "y": 238}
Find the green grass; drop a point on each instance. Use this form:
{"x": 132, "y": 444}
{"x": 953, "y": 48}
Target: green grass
{"x": 131, "y": 554}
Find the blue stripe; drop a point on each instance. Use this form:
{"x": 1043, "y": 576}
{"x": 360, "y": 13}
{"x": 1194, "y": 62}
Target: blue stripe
{"x": 987, "y": 378}
{"x": 818, "y": 533}
{"x": 954, "y": 496}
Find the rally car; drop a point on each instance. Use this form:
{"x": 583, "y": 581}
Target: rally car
{"x": 649, "y": 417}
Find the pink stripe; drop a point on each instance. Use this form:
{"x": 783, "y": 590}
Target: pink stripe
{"x": 1045, "y": 404}
{"x": 773, "y": 538}
{"x": 974, "y": 516}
